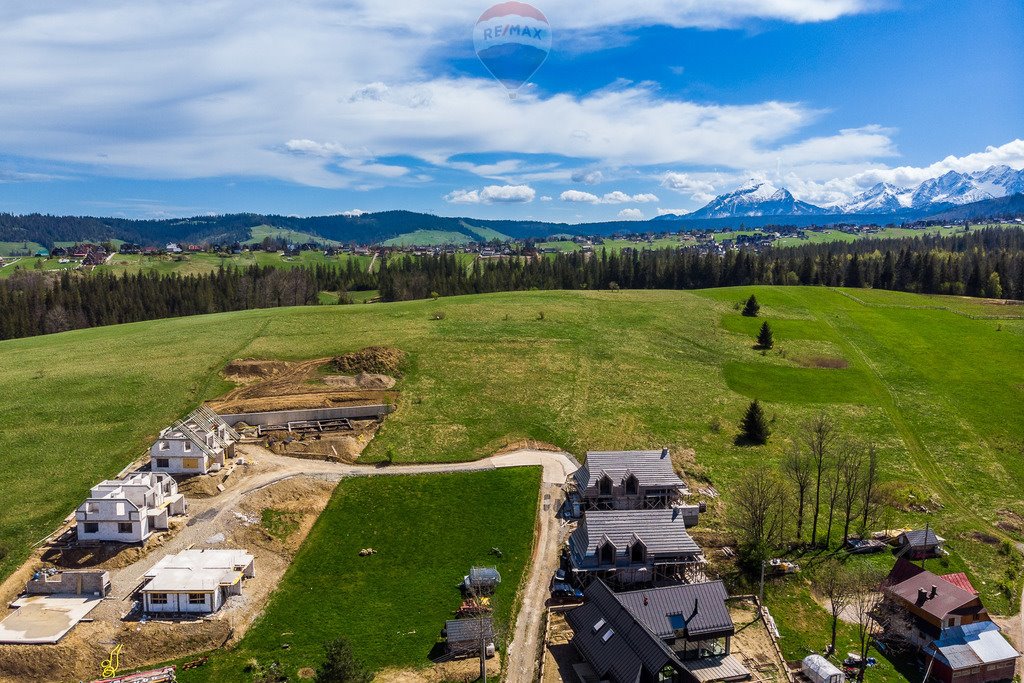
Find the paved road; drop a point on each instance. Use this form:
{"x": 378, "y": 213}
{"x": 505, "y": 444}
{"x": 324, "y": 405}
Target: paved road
{"x": 207, "y": 517}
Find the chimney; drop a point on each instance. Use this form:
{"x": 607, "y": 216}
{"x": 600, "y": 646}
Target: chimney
{"x": 664, "y": 453}
{"x": 935, "y": 589}
{"x": 922, "y": 595}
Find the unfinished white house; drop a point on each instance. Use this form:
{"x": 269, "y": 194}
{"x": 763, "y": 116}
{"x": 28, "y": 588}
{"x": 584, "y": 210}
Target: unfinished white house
{"x": 196, "y": 581}
{"x": 129, "y": 510}
{"x": 196, "y": 445}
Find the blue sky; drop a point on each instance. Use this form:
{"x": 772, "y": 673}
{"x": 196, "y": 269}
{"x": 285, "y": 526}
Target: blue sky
{"x": 151, "y": 109}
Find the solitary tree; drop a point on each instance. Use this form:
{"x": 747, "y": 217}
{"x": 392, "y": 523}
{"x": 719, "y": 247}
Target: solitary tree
{"x": 834, "y": 583}
{"x": 865, "y": 603}
{"x": 752, "y": 308}
{"x": 765, "y": 339}
{"x": 753, "y": 427}
{"x": 341, "y": 666}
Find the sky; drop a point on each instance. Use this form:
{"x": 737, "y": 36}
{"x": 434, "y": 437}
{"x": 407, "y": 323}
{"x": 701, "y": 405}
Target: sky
{"x": 154, "y": 109}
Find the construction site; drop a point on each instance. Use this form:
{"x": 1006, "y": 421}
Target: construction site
{"x": 79, "y": 601}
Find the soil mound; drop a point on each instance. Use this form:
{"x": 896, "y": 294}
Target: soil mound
{"x": 383, "y": 360}
{"x": 252, "y": 370}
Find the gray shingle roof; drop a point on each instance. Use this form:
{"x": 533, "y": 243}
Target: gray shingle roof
{"x": 464, "y": 630}
{"x": 700, "y": 606}
{"x": 651, "y": 468}
{"x": 628, "y": 651}
{"x": 921, "y": 538}
{"x": 663, "y": 532}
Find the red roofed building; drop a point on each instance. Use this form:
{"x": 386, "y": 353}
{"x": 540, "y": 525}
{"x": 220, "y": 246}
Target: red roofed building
{"x": 960, "y": 579}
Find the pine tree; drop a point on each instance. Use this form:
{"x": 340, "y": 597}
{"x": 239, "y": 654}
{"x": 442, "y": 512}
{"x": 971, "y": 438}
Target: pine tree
{"x": 765, "y": 339}
{"x": 752, "y": 308}
{"x": 753, "y": 427}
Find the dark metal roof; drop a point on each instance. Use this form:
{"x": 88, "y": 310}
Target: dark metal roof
{"x": 631, "y": 648}
{"x": 920, "y": 538}
{"x": 663, "y": 533}
{"x": 651, "y": 468}
{"x": 464, "y": 630}
{"x": 699, "y": 606}
{"x": 947, "y": 598}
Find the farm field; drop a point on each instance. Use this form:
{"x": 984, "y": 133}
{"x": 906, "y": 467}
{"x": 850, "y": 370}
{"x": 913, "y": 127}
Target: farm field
{"x": 428, "y": 530}
{"x": 428, "y": 238}
{"x": 934, "y": 382}
{"x": 19, "y": 248}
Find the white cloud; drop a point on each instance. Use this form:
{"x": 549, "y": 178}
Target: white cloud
{"x": 578, "y": 196}
{"x": 631, "y": 215}
{"x": 353, "y": 213}
{"x": 587, "y": 177}
{"x": 614, "y": 197}
{"x": 546, "y": 198}
{"x": 493, "y": 194}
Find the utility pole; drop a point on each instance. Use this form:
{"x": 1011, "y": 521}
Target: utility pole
{"x": 760, "y": 593}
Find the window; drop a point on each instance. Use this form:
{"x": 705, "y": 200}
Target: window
{"x": 188, "y": 446}
{"x": 604, "y": 486}
{"x": 190, "y": 463}
{"x": 608, "y": 553}
{"x": 164, "y": 446}
{"x": 158, "y": 598}
{"x": 952, "y": 621}
{"x": 92, "y": 528}
{"x": 598, "y": 625}
{"x": 163, "y": 462}
{"x": 607, "y": 636}
{"x": 632, "y": 486}
{"x": 197, "y": 598}
{"x": 637, "y": 553}
{"x": 124, "y": 527}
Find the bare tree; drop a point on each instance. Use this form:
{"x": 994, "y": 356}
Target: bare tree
{"x": 758, "y": 513}
{"x": 832, "y": 582}
{"x": 798, "y": 467}
{"x": 870, "y": 499}
{"x": 819, "y": 435}
{"x": 865, "y": 604}
{"x": 834, "y": 490}
{"x": 852, "y": 473}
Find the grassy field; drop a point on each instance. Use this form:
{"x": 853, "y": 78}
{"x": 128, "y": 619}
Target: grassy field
{"x": 20, "y": 248}
{"x": 261, "y": 232}
{"x": 428, "y": 238}
{"x": 428, "y": 531}
{"x": 935, "y": 382}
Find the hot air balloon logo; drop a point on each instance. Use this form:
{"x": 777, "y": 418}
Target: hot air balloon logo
{"x": 512, "y": 39}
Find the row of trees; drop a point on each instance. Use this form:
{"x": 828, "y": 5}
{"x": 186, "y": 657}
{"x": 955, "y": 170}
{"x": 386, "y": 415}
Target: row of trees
{"x": 825, "y": 483}
{"x": 33, "y": 303}
{"x": 987, "y": 263}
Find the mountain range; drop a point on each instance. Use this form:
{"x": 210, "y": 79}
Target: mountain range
{"x": 758, "y": 198}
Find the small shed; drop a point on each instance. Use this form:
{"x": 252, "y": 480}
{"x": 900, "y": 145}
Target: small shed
{"x": 920, "y": 543}
{"x": 481, "y": 580}
{"x": 820, "y": 670}
{"x": 465, "y": 636}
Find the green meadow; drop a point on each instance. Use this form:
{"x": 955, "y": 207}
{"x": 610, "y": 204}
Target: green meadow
{"x": 428, "y": 530}
{"x": 935, "y": 383}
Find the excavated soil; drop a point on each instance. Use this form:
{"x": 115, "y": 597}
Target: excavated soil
{"x": 383, "y": 360}
{"x": 281, "y": 385}
{"x": 297, "y": 502}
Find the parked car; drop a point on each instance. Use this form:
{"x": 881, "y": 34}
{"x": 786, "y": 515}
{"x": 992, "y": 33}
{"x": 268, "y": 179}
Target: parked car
{"x": 563, "y": 591}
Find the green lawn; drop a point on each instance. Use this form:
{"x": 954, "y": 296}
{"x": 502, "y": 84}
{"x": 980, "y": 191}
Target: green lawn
{"x": 428, "y": 531}
{"x": 202, "y": 262}
{"x": 932, "y": 381}
{"x": 19, "y": 248}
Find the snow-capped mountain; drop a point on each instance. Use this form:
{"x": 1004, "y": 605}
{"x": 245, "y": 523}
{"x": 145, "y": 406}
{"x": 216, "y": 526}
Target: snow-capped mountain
{"x": 881, "y": 198}
{"x": 756, "y": 198}
{"x": 956, "y": 189}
